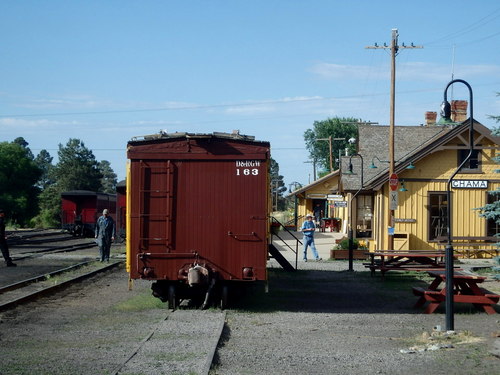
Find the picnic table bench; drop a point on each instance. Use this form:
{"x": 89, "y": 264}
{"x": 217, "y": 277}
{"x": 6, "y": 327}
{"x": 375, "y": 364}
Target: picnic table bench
{"x": 471, "y": 245}
{"x": 411, "y": 260}
{"x": 465, "y": 289}
{"x": 330, "y": 222}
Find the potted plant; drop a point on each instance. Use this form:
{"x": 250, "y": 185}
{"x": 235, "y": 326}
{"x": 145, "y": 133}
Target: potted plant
{"x": 341, "y": 249}
{"x": 275, "y": 227}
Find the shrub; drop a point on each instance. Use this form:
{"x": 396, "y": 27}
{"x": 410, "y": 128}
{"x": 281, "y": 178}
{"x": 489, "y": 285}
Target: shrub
{"x": 344, "y": 244}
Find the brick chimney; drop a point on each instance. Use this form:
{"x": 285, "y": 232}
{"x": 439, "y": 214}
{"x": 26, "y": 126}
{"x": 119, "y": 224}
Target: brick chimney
{"x": 430, "y": 118}
{"x": 459, "y": 110}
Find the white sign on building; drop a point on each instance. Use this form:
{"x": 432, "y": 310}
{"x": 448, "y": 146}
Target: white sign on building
{"x": 335, "y": 197}
{"x": 393, "y": 200}
{"x": 469, "y": 184}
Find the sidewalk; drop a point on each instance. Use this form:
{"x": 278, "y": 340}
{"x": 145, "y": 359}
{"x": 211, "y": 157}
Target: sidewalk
{"x": 324, "y": 242}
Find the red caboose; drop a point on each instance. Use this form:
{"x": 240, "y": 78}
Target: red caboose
{"x": 81, "y": 208}
{"x": 198, "y": 209}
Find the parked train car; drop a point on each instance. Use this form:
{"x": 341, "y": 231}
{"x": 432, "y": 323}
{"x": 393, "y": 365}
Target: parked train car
{"x": 81, "y": 208}
{"x": 121, "y": 209}
{"x": 198, "y": 214}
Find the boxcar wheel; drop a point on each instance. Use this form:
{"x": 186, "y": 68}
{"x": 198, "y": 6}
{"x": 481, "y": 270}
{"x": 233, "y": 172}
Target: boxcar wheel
{"x": 172, "y": 297}
{"x": 224, "y": 297}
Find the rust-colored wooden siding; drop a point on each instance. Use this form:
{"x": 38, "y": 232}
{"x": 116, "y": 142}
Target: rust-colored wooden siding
{"x": 204, "y": 196}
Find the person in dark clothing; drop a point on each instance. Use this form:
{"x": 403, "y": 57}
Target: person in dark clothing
{"x": 3, "y": 241}
{"x": 105, "y": 234}
{"x": 318, "y": 213}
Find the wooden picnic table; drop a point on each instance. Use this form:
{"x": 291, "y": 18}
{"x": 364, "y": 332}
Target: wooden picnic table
{"x": 329, "y": 222}
{"x": 412, "y": 260}
{"x": 465, "y": 290}
{"x": 471, "y": 246}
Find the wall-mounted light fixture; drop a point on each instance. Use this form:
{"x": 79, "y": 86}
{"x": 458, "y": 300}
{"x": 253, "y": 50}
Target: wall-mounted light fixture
{"x": 372, "y": 165}
{"x": 403, "y": 188}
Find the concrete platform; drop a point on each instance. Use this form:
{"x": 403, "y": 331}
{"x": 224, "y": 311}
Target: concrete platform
{"x": 324, "y": 242}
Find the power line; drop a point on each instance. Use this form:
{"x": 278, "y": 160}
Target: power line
{"x": 475, "y": 25}
{"x": 211, "y": 106}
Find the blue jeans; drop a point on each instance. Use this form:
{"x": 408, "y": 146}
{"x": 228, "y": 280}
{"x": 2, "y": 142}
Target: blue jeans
{"x": 309, "y": 241}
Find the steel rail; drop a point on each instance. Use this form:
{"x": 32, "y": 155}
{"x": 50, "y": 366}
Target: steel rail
{"x": 205, "y": 362}
{"x": 53, "y": 250}
{"x": 43, "y": 277}
{"x": 54, "y": 288}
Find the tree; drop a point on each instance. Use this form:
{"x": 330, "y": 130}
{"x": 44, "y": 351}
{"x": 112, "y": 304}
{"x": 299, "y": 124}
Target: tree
{"x": 319, "y": 151}
{"x": 44, "y": 161}
{"x": 77, "y": 168}
{"x": 277, "y": 186}
{"x": 24, "y": 144}
{"x": 18, "y": 177}
{"x": 491, "y": 211}
{"x": 109, "y": 178}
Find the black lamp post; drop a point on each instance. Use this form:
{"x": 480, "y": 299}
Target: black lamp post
{"x": 350, "y": 233}
{"x": 446, "y": 117}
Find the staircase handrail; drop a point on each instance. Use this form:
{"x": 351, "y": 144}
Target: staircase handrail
{"x": 297, "y": 241}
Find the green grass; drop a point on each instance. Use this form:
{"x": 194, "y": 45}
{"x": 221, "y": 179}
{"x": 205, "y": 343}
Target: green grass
{"x": 484, "y": 271}
{"x": 144, "y": 301}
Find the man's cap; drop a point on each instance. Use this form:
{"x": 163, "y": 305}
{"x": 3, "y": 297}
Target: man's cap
{"x": 105, "y": 211}
{"x": 309, "y": 215}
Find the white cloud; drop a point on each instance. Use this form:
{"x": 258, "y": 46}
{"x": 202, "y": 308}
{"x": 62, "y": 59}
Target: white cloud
{"x": 179, "y": 105}
{"x": 269, "y": 106}
{"x": 67, "y": 102}
{"x": 409, "y": 71}
{"x": 250, "y": 109}
{"x": 337, "y": 71}
{"x": 17, "y": 123}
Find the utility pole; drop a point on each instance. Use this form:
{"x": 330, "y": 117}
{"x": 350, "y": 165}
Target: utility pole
{"x": 330, "y": 150}
{"x": 329, "y": 139}
{"x": 313, "y": 162}
{"x": 394, "y": 47}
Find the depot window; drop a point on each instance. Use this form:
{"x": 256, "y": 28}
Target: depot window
{"x": 492, "y": 227}
{"x": 473, "y": 165}
{"x": 364, "y": 211}
{"x": 438, "y": 215}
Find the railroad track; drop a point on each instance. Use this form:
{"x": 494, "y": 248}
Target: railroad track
{"x": 35, "y": 236}
{"x": 184, "y": 342}
{"x": 29, "y": 253}
{"x": 30, "y": 289}
{"x": 29, "y": 244}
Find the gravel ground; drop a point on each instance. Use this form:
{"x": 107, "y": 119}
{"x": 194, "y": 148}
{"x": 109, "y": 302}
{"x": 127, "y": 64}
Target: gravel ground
{"x": 319, "y": 320}
{"x": 91, "y": 328}
{"x": 323, "y": 322}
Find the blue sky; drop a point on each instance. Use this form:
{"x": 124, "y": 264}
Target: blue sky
{"x": 105, "y": 71}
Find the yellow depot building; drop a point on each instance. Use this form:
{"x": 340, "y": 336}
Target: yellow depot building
{"x": 425, "y": 158}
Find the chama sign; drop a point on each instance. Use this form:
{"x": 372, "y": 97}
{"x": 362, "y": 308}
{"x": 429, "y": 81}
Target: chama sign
{"x": 470, "y": 184}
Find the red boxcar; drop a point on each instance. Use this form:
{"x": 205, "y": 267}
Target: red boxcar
{"x": 81, "y": 208}
{"x": 198, "y": 209}
{"x": 121, "y": 209}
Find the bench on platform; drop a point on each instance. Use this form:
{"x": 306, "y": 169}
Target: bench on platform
{"x": 489, "y": 298}
{"x": 472, "y": 246}
{"x": 465, "y": 290}
{"x": 409, "y": 260}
